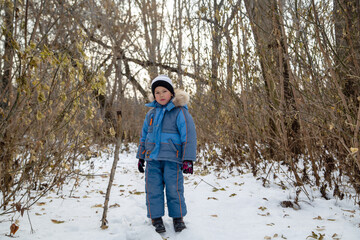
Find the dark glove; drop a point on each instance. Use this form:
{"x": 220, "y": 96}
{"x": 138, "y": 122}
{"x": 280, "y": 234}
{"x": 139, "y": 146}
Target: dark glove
{"x": 141, "y": 165}
{"x": 187, "y": 166}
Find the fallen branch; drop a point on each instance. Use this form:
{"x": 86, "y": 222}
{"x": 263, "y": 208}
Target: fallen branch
{"x": 202, "y": 180}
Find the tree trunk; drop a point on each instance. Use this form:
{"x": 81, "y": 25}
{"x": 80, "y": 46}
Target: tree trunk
{"x": 118, "y": 135}
{"x": 6, "y": 150}
{"x": 230, "y": 61}
{"x": 5, "y": 86}
{"x": 229, "y": 45}
{"x": 195, "y": 42}
{"x": 347, "y": 33}
{"x": 271, "y": 48}
{"x": 216, "y": 51}
{"x": 150, "y": 22}
{"x": 180, "y": 42}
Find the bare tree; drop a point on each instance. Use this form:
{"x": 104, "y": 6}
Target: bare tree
{"x": 347, "y": 32}
{"x": 347, "y": 36}
{"x": 42, "y": 129}
{"x": 265, "y": 17}
{"x": 6, "y": 153}
{"x": 151, "y": 18}
{"x": 6, "y": 87}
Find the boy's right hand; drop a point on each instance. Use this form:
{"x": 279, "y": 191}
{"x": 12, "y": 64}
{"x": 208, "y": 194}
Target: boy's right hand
{"x": 141, "y": 165}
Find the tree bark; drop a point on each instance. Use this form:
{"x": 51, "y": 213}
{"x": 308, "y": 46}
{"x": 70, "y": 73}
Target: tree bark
{"x": 5, "y": 87}
{"x": 180, "y": 40}
{"x": 266, "y": 23}
{"x": 150, "y": 23}
{"x": 216, "y": 51}
{"x": 347, "y": 33}
{"x": 6, "y": 155}
{"x": 118, "y": 135}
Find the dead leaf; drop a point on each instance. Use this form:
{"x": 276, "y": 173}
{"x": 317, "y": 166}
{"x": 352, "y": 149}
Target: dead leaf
{"x": 138, "y": 193}
{"x": 264, "y": 215}
{"x": 322, "y": 228}
{"x": 41, "y": 203}
{"x": 104, "y": 227}
{"x": 115, "y": 205}
{"x": 350, "y": 211}
{"x": 335, "y": 237}
{"x": 213, "y": 198}
{"x": 13, "y": 228}
{"x": 112, "y": 131}
{"x": 18, "y": 207}
{"x": 262, "y": 208}
{"x": 354, "y": 150}
{"x": 287, "y": 204}
{"x": 318, "y": 218}
{"x": 214, "y": 215}
{"x": 57, "y": 221}
{"x": 239, "y": 184}
{"x": 97, "y": 206}
{"x": 233, "y": 195}
{"x": 217, "y": 189}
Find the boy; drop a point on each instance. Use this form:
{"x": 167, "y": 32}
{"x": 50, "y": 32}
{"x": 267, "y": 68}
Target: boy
{"x": 168, "y": 144}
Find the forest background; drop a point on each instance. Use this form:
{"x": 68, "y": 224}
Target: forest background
{"x": 274, "y": 87}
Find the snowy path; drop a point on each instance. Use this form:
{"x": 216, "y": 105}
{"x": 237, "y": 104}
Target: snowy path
{"x": 240, "y": 209}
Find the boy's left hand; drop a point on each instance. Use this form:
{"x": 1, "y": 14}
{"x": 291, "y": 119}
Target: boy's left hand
{"x": 141, "y": 165}
{"x": 187, "y": 166}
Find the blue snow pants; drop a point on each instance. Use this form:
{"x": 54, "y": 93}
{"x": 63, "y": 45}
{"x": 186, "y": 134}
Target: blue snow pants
{"x": 168, "y": 175}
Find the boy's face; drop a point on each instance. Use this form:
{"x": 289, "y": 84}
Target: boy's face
{"x": 162, "y": 95}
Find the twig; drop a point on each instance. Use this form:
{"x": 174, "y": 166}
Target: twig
{"x": 300, "y": 187}
{"x": 268, "y": 174}
{"x": 202, "y": 180}
{"x": 32, "y": 230}
{"x": 10, "y": 236}
{"x": 93, "y": 175}
{"x": 118, "y": 135}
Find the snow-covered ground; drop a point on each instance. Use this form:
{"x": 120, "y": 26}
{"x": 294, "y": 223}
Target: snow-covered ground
{"x": 238, "y": 208}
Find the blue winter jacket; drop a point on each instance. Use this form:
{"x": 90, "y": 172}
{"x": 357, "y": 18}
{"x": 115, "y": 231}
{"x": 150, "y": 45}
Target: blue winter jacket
{"x": 168, "y": 132}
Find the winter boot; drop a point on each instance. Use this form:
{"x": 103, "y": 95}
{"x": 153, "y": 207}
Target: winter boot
{"x": 179, "y": 224}
{"x": 158, "y": 224}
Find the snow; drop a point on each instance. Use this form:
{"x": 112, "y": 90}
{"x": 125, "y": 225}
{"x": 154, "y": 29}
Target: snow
{"x": 238, "y": 208}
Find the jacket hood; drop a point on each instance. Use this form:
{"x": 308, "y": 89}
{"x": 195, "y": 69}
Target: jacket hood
{"x": 181, "y": 98}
